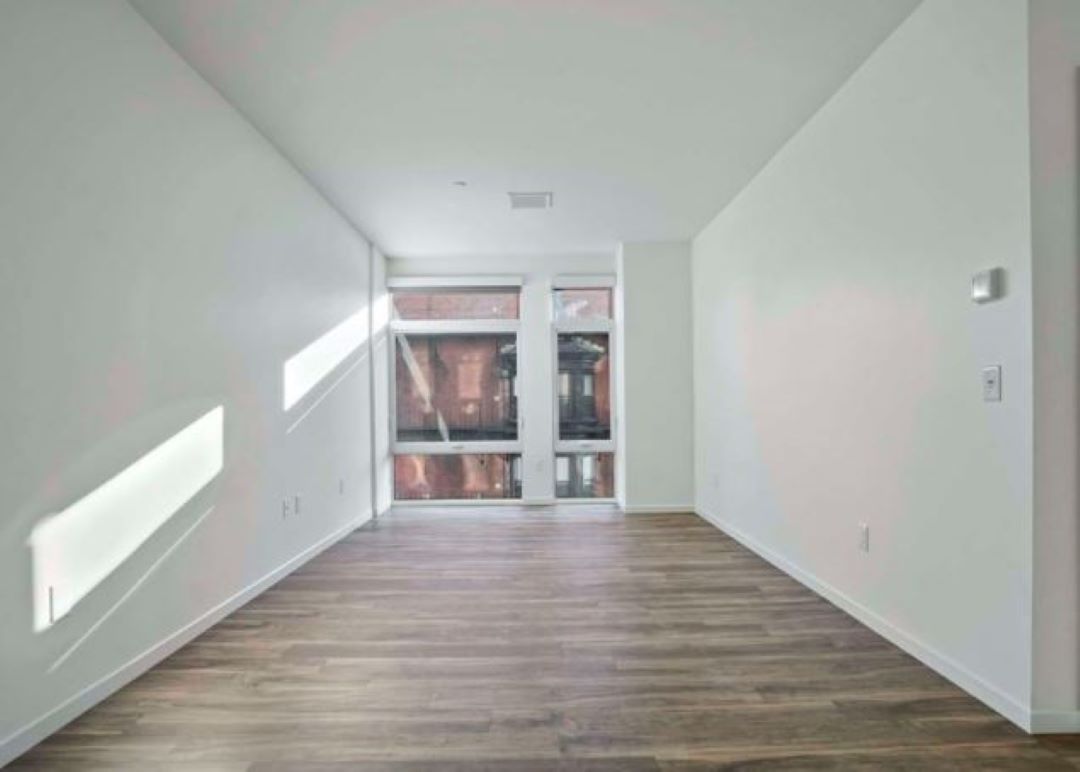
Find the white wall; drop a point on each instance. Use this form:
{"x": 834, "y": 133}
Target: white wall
{"x": 534, "y": 342}
{"x": 837, "y": 356}
{"x": 656, "y": 394}
{"x": 1055, "y": 64}
{"x": 157, "y": 259}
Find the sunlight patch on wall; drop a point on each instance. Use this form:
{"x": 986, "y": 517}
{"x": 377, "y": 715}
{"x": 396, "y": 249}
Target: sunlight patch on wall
{"x": 76, "y": 549}
{"x": 381, "y": 312}
{"x": 326, "y": 393}
{"x": 304, "y": 370}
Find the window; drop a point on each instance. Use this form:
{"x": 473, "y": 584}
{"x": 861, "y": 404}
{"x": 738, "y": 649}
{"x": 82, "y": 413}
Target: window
{"x": 585, "y": 476}
{"x": 457, "y": 303}
{"x": 584, "y": 439}
{"x": 585, "y": 303}
{"x": 461, "y": 383}
{"x": 456, "y": 388}
{"x": 458, "y": 476}
{"x": 584, "y": 386}
{"x": 456, "y": 427}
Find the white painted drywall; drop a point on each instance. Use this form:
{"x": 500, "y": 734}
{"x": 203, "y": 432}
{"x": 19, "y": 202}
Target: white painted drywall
{"x": 837, "y": 354}
{"x": 157, "y": 260}
{"x": 655, "y": 355}
{"x": 619, "y": 372}
{"x": 1055, "y": 84}
{"x": 535, "y": 343}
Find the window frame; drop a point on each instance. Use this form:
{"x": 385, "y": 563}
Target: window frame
{"x": 601, "y": 326}
{"x": 399, "y": 328}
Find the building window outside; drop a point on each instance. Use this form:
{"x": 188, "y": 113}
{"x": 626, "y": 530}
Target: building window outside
{"x": 464, "y": 476}
{"x": 585, "y": 476}
{"x": 582, "y": 303}
{"x": 456, "y": 388}
{"x": 456, "y": 304}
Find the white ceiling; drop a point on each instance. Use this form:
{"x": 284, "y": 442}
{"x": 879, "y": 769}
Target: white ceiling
{"x": 644, "y": 117}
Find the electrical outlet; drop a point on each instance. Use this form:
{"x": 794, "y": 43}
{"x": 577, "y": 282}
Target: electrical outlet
{"x": 991, "y": 383}
{"x": 341, "y": 486}
{"x": 864, "y": 537}
{"x": 296, "y": 504}
{"x": 286, "y": 508}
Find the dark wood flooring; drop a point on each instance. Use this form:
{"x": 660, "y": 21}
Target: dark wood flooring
{"x": 473, "y": 639}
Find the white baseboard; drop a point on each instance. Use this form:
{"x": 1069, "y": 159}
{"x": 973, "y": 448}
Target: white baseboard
{"x": 657, "y": 509}
{"x": 974, "y": 685}
{"x": 30, "y": 735}
{"x": 1055, "y": 722}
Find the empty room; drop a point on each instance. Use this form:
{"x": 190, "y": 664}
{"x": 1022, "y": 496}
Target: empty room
{"x": 539, "y": 385}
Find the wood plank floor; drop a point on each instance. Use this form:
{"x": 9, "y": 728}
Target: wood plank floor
{"x": 499, "y": 640}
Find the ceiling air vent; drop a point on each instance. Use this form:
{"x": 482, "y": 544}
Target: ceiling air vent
{"x": 542, "y": 200}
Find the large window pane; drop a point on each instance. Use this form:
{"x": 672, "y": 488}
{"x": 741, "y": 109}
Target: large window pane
{"x": 593, "y": 303}
{"x": 585, "y": 476}
{"x": 456, "y": 388}
{"x": 584, "y": 386}
{"x": 472, "y": 476}
{"x": 494, "y": 303}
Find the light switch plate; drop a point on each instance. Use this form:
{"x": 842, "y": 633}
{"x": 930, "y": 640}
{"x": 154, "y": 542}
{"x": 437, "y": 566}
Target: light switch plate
{"x": 991, "y": 382}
